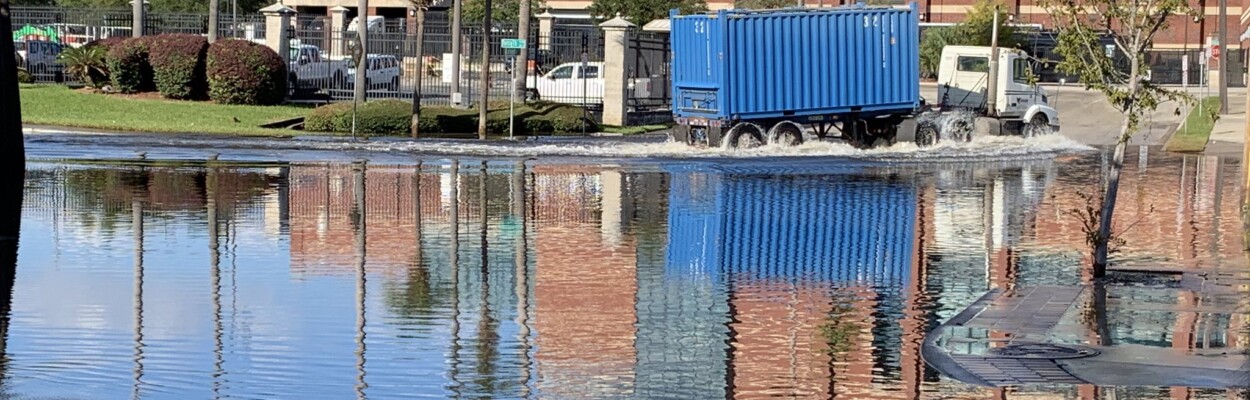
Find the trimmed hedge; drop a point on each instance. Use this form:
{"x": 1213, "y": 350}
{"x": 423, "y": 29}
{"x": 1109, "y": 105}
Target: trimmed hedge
{"x": 128, "y": 65}
{"x": 242, "y": 72}
{"x": 392, "y": 117}
{"x": 178, "y": 65}
{"x": 374, "y": 117}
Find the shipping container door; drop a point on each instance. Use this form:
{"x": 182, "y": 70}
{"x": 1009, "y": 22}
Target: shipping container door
{"x": 698, "y": 43}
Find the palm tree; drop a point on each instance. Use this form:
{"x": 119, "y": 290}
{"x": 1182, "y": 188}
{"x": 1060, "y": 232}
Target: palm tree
{"x": 85, "y": 64}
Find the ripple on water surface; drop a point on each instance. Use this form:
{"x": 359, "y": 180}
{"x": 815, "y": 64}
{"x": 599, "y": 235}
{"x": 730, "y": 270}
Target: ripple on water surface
{"x": 569, "y": 278}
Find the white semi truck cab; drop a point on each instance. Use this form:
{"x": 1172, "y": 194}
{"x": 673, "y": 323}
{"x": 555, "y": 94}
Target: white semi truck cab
{"x": 963, "y": 83}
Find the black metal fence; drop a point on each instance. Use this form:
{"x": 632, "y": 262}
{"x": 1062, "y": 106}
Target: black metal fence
{"x": 647, "y": 67}
{"x": 323, "y": 65}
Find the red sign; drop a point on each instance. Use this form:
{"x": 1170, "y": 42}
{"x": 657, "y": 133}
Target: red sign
{"x": 1215, "y": 52}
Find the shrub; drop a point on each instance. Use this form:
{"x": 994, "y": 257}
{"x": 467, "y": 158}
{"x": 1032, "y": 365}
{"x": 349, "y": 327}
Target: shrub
{"x": 374, "y": 117}
{"x": 242, "y": 72}
{"x": 86, "y": 64}
{"x": 106, "y": 43}
{"x": 178, "y": 65}
{"x": 392, "y": 117}
{"x": 24, "y": 76}
{"x": 128, "y": 65}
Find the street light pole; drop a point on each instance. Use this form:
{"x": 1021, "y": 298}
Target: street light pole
{"x": 455, "y": 52}
{"x": 1221, "y": 63}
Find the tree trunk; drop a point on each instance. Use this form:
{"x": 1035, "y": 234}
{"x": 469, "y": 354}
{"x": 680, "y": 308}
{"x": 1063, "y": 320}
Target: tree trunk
{"x": 1113, "y": 177}
{"x": 522, "y": 60}
{"x": 361, "y": 92}
{"x": 212, "y": 20}
{"x": 13, "y": 153}
{"x": 416, "y": 90}
{"x": 484, "y": 96}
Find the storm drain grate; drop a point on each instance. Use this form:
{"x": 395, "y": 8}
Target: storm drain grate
{"x": 1048, "y": 351}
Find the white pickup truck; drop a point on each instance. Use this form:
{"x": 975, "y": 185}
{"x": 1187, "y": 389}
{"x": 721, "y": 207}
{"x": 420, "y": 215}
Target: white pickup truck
{"x": 571, "y": 83}
{"x": 313, "y": 69}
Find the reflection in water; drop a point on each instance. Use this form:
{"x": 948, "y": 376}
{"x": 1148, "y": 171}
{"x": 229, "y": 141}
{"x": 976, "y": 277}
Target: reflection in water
{"x": 584, "y": 281}
{"x": 360, "y": 215}
{"x": 137, "y": 227}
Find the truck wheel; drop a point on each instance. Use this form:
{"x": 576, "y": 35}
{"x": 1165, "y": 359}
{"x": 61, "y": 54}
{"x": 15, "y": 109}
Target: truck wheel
{"x": 785, "y": 133}
{"x": 743, "y": 135}
{"x": 926, "y": 134}
{"x": 857, "y": 134}
{"x": 1038, "y": 126}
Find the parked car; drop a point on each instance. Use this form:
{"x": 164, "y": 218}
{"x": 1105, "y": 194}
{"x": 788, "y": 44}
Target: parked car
{"x": 383, "y": 71}
{"x": 573, "y": 83}
{"x": 313, "y": 69}
{"x": 39, "y": 58}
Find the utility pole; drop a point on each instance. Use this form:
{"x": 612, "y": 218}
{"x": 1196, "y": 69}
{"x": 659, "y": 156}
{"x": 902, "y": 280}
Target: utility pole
{"x": 212, "y": 20}
{"x": 1220, "y": 63}
{"x": 522, "y": 60}
{"x": 991, "y": 87}
{"x": 455, "y": 52}
{"x": 362, "y": 52}
{"x": 484, "y": 96}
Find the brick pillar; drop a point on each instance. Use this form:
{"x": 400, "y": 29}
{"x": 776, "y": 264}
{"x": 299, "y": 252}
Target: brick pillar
{"x": 277, "y": 19}
{"x": 615, "y": 47}
{"x": 546, "y": 21}
{"x": 338, "y": 25}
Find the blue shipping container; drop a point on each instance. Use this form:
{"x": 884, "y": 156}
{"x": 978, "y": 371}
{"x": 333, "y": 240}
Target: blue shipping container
{"x": 796, "y": 63}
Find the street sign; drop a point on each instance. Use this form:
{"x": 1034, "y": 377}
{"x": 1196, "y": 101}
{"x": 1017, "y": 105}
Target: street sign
{"x": 512, "y": 43}
{"x": 1215, "y": 52}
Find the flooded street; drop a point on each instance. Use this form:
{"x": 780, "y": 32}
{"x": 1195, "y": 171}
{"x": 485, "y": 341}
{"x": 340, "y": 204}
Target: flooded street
{"x": 279, "y": 271}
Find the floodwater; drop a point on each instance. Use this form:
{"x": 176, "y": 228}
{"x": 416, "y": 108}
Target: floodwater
{"x": 274, "y": 272}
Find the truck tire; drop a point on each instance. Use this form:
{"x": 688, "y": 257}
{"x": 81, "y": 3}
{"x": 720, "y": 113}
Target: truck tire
{"x": 785, "y": 133}
{"x": 681, "y": 134}
{"x": 1038, "y": 126}
{"x": 743, "y": 135}
{"x": 926, "y": 134}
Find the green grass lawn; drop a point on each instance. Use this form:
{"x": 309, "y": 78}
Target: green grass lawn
{"x": 1193, "y": 135}
{"x": 634, "y": 130}
{"x": 59, "y": 106}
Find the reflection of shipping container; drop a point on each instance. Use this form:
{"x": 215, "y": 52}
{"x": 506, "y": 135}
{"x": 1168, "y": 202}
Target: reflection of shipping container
{"x": 763, "y": 259}
{"x": 828, "y": 227}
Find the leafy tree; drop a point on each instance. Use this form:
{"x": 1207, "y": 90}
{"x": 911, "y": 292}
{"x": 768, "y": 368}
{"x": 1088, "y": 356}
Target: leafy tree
{"x": 763, "y": 4}
{"x": 931, "y": 43}
{"x": 643, "y": 11}
{"x": 501, "y": 10}
{"x": 1131, "y": 25}
{"x": 29, "y": 3}
{"x": 978, "y": 25}
{"x": 975, "y": 30}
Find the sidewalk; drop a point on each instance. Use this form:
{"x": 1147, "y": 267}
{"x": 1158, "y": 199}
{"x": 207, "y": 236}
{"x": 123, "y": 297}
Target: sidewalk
{"x": 1228, "y": 136}
{"x": 1093, "y": 334}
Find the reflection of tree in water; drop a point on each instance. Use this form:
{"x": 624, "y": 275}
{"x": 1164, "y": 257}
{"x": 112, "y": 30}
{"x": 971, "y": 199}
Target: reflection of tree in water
{"x": 842, "y": 330}
{"x": 487, "y": 326}
{"x": 101, "y": 197}
{"x": 417, "y": 299}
